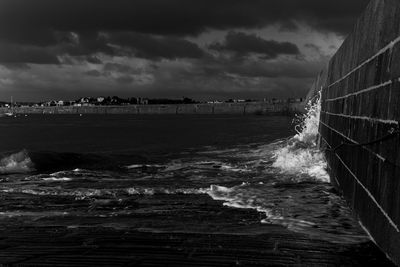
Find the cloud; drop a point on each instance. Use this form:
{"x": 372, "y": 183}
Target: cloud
{"x": 87, "y": 44}
{"x": 93, "y": 59}
{"x": 124, "y": 79}
{"x": 36, "y": 22}
{"x": 16, "y": 54}
{"x": 84, "y": 44}
{"x": 117, "y": 67}
{"x": 156, "y": 47}
{"x": 243, "y": 44}
{"x": 93, "y": 73}
{"x": 314, "y": 47}
{"x": 291, "y": 69}
{"x": 168, "y": 48}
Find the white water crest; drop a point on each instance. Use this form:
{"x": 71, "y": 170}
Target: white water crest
{"x": 291, "y": 209}
{"x": 247, "y": 196}
{"x": 301, "y": 154}
{"x": 19, "y": 162}
{"x": 166, "y": 191}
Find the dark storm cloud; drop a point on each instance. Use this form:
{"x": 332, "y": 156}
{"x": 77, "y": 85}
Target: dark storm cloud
{"x": 117, "y": 67}
{"x": 128, "y": 44}
{"x": 16, "y": 66}
{"x": 103, "y": 32}
{"x": 111, "y": 68}
{"x": 16, "y": 54}
{"x": 35, "y": 22}
{"x": 84, "y": 43}
{"x": 125, "y": 79}
{"x": 151, "y": 47}
{"x": 295, "y": 69}
{"x": 93, "y": 73}
{"x": 313, "y": 47}
{"x": 244, "y": 44}
{"x": 93, "y": 59}
{"x": 150, "y": 28}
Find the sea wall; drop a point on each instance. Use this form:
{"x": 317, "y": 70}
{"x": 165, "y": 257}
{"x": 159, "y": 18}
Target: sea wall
{"x": 360, "y": 113}
{"x": 260, "y": 108}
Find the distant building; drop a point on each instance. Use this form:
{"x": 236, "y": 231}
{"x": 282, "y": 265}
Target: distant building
{"x": 84, "y": 100}
{"x": 142, "y": 101}
{"x": 51, "y": 103}
{"x": 100, "y": 99}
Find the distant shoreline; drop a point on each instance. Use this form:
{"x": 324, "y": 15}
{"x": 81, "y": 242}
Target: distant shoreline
{"x": 257, "y": 108}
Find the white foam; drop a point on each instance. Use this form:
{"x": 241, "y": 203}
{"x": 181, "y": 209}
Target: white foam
{"x": 138, "y": 166}
{"x": 239, "y": 197}
{"x": 280, "y": 210}
{"x": 152, "y": 191}
{"x": 65, "y": 179}
{"x": 301, "y": 155}
{"x": 16, "y": 163}
{"x": 32, "y": 213}
{"x": 301, "y": 161}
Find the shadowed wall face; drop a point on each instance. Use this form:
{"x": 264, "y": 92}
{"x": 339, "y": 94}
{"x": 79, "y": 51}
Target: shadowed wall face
{"x": 360, "y": 104}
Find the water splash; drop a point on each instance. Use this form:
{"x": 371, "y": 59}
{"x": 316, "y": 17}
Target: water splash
{"x": 307, "y": 129}
{"x": 301, "y": 156}
{"x": 19, "y": 162}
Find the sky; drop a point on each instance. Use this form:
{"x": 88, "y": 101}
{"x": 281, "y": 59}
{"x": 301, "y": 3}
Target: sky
{"x": 202, "y": 49}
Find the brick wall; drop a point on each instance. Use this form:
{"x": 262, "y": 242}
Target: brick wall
{"x": 360, "y": 104}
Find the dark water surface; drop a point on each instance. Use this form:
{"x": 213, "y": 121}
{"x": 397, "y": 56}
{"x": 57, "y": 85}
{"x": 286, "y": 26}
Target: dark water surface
{"x": 207, "y": 181}
{"x": 130, "y": 134}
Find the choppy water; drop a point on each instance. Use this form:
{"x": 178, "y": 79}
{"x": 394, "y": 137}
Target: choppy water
{"x": 110, "y": 171}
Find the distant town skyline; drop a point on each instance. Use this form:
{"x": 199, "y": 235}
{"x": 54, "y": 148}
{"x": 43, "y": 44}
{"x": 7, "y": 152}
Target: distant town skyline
{"x": 116, "y": 100}
{"x": 168, "y": 49}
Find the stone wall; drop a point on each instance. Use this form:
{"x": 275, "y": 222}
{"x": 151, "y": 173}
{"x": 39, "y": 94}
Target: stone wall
{"x": 361, "y": 104}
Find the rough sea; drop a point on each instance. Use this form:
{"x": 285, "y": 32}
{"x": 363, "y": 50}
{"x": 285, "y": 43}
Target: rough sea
{"x": 159, "y": 174}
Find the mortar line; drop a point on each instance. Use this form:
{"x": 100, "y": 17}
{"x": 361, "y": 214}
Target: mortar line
{"x": 362, "y": 118}
{"x": 383, "y": 50}
{"x": 337, "y": 181}
{"x": 355, "y": 142}
{"x": 360, "y": 92}
{"x": 367, "y": 191}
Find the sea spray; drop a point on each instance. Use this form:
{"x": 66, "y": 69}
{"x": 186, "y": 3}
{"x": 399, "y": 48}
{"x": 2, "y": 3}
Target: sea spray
{"x": 301, "y": 156}
{"x": 19, "y": 162}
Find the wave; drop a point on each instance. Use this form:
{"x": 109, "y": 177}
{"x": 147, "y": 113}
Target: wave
{"x": 301, "y": 155}
{"x": 292, "y": 210}
{"x": 57, "y": 179}
{"x": 87, "y": 193}
{"x": 166, "y": 191}
{"x": 32, "y": 161}
{"x": 144, "y": 166}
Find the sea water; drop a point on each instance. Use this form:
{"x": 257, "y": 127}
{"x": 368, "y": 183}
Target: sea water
{"x": 157, "y": 174}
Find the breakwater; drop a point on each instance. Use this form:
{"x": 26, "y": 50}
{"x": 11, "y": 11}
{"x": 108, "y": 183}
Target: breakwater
{"x": 359, "y": 122}
{"x": 259, "y": 108}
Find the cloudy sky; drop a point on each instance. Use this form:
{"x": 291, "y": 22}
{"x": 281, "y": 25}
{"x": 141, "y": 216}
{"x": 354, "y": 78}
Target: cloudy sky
{"x": 204, "y": 49}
